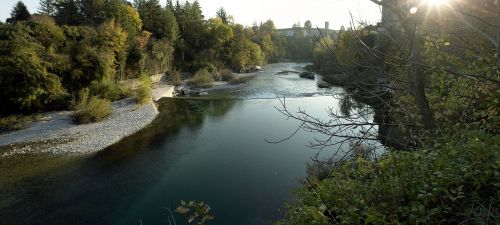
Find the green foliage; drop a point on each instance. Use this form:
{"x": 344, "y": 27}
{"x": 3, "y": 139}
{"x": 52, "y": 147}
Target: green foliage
{"x": 16, "y": 122}
{"x": 159, "y": 56}
{"x": 143, "y": 91}
{"x": 77, "y": 44}
{"x": 47, "y": 7}
{"x": 245, "y": 53}
{"x": 108, "y": 89}
{"x": 19, "y": 13}
{"x": 195, "y": 212}
{"x": 346, "y": 50}
{"x": 240, "y": 80}
{"x": 89, "y": 109}
{"x": 324, "y": 58}
{"x": 202, "y": 78}
{"x": 68, "y": 13}
{"x": 455, "y": 181}
{"x": 28, "y": 86}
{"x": 462, "y": 102}
{"x": 125, "y": 15}
{"x": 226, "y": 75}
{"x": 299, "y": 46}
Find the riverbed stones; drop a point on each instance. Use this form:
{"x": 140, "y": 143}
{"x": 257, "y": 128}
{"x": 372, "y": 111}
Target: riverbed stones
{"x": 68, "y": 138}
{"x": 307, "y": 75}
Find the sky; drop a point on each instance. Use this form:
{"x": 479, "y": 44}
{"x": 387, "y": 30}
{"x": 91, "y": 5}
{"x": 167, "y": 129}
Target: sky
{"x": 284, "y": 13}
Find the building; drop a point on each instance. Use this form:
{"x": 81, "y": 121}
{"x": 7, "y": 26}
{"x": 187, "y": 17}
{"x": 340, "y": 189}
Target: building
{"x": 309, "y": 32}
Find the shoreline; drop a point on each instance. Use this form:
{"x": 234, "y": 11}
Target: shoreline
{"x": 57, "y": 134}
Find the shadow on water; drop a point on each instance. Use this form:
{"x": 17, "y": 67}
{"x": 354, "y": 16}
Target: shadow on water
{"x": 102, "y": 184}
{"x": 196, "y": 149}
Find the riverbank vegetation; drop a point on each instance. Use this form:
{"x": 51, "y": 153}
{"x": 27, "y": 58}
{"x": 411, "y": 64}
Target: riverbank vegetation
{"x": 434, "y": 93}
{"x": 48, "y": 57}
{"x": 90, "y": 108}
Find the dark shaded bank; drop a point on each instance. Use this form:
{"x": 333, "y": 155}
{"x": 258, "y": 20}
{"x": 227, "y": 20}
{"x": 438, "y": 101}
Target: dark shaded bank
{"x": 372, "y": 91}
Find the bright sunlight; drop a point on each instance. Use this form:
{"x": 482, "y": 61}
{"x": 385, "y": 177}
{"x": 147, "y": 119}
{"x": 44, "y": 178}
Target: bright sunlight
{"x": 436, "y": 2}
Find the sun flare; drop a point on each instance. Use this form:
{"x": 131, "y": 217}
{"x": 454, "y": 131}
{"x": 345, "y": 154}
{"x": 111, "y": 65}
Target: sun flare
{"x": 436, "y": 2}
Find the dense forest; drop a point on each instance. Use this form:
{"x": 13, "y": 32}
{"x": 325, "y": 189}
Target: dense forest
{"x": 68, "y": 46}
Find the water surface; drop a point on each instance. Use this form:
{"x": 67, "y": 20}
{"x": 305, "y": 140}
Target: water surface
{"x": 210, "y": 150}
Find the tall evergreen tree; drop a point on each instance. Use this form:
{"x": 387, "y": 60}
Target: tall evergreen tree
{"x": 222, "y": 14}
{"x": 19, "y": 13}
{"x": 67, "y": 13}
{"x": 47, "y": 7}
{"x": 196, "y": 13}
{"x": 171, "y": 25}
{"x": 153, "y": 17}
{"x": 92, "y": 11}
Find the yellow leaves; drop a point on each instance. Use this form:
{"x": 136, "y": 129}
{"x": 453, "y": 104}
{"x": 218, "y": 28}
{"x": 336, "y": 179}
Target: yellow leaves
{"x": 132, "y": 16}
{"x": 112, "y": 36}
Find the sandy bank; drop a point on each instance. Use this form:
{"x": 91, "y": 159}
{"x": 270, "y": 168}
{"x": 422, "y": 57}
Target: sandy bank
{"x": 58, "y": 134}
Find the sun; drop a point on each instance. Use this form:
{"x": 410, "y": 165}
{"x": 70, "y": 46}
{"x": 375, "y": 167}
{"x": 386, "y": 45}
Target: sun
{"x": 436, "y": 2}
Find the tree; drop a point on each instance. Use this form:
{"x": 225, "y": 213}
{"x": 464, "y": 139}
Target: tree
{"x": 19, "y": 13}
{"x": 27, "y": 85}
{"x": 171, "y": 25}
{"x": 47, "y": 7}
{"x": 308, "y": 24}
{"x": 92, "y": 11}
{"x": 222, "y": 14}
{"x": 67, "y": 13}
{"x": 126, "y": 15}
{"x": 153, "y": 17}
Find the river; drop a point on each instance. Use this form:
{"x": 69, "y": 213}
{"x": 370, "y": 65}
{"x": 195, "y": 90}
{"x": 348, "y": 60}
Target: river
{"x": 212, "y": 150}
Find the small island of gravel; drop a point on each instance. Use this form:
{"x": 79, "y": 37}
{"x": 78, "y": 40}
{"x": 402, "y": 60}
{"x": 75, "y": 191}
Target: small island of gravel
{"x": 58, "y": 134}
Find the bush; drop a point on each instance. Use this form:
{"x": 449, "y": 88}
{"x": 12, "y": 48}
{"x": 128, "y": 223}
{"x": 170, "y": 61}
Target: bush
{"x": 216, "y": 76}
{"x": 91, "y": 108}
{"x": 202, "y": 78}
{"x": 226, "y": 75}
{"x": 240, "y": 80}
{"x": 16, "y": 122}
{"x": 108, "y": 89}
{"x": 143, "y": 92}
{"x": 454, "y": 182}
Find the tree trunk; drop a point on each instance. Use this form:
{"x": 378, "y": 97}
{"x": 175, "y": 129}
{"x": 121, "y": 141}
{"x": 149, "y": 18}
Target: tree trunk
{"x": 417, "y": 85}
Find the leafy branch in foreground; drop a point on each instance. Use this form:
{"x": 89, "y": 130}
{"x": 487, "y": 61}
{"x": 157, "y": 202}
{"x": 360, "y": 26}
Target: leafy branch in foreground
{"x": 195, "y": 212}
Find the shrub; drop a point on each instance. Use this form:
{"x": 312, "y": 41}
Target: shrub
{"x": 454, "y": 182}
{"x": 108, "y": 89}
{"x": 240, "y": 80}
{"x": 143, "y": 92}
{"x": 226, "y": 75}
{"x": 216, "y": 76}
{"x": 91, "y": 108}
{"x": 202, "y": 78}
{"x": 16, "y": 122}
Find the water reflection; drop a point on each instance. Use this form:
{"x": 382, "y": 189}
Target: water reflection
{"x": 98, "y": 187}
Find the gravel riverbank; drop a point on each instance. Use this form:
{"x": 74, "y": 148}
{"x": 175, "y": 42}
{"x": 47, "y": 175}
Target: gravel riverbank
{"x": 58, "y": 134}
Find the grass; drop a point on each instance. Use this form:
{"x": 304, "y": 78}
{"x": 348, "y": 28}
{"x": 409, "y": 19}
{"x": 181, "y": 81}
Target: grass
{"x": 91, "y": 109}
{"x": 17, "y": 122}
